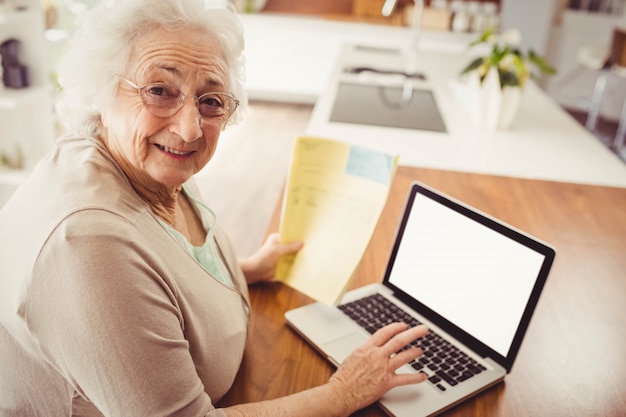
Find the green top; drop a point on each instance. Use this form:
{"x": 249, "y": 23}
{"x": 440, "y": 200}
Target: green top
{"x": 206, "y": 255}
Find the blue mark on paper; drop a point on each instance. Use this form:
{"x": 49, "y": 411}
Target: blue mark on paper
{"x": 370, "y": 164}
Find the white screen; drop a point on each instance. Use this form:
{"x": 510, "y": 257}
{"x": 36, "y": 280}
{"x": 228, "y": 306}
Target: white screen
{"x": 473, "y": 276}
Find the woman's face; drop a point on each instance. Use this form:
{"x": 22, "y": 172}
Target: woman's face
{"x": 166, "y": 151}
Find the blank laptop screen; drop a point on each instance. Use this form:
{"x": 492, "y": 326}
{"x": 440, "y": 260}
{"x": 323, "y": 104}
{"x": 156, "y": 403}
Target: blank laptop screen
{"x": 473, "y": 276}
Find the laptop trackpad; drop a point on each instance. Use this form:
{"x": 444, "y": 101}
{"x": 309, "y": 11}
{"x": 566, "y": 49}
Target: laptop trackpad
{"x": 339, "y": 349}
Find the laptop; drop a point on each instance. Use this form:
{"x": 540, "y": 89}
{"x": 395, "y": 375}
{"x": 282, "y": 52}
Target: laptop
{"x": 472, "y": 279}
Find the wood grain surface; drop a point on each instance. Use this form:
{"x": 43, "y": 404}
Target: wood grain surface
{"x": 573, "y": 359}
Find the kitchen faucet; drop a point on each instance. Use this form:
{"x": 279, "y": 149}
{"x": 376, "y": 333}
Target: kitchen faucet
{"x": 416, "y": 29}
{"x": 416, "y": 24}
{"x": 388, "y": 7}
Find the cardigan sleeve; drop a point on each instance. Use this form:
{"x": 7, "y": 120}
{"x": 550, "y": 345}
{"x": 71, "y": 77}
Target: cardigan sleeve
{"x": 104, "y": 316}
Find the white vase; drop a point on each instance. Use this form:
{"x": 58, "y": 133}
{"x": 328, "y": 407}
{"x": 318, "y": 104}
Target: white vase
{"x": 492, "y": 107}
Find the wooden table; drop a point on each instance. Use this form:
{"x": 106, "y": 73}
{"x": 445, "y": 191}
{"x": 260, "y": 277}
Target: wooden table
{"x": 573, "y": 359}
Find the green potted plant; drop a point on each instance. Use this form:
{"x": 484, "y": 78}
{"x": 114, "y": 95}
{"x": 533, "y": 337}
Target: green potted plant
{"x": 513, "y": 65}
{"x": 496, "y": 79}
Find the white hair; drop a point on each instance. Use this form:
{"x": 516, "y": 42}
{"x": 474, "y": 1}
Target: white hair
{"x": 103, "y": 42}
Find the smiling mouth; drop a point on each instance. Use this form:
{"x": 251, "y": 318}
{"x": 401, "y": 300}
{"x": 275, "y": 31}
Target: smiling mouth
{"x": 173, "y": 151}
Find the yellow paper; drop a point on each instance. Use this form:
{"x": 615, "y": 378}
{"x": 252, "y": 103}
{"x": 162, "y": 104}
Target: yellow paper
{"x": 334, "y": 197}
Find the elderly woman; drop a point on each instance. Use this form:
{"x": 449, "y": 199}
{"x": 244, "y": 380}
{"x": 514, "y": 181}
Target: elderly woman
{"x": 120, "y": 295}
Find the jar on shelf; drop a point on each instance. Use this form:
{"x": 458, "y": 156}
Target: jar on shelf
{"x": 490, "y": 11}
{"x": 460, "y": 16}
{"x": 439, "y": 4}
{"x": 478, "y": 22}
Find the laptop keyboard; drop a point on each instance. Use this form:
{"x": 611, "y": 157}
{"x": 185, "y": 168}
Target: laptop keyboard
{"x": 445, "y": 365}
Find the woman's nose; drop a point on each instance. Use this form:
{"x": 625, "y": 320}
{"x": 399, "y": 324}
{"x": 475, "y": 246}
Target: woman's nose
{"x": 187, "y": 121}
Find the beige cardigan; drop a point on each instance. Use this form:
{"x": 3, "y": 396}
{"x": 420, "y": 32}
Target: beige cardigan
{"x": 102, "y": 311}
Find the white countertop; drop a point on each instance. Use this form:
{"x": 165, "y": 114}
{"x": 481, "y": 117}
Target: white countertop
{"x": 290, "y": 58}
{"x": 297, "y": 59}
{"x": 544, "y": 142}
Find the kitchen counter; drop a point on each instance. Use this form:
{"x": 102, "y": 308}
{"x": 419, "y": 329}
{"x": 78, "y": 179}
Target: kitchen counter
{"x": 299, "y": 59}
{"x": 544, "y": 142}
{"x": 291, "y": 58}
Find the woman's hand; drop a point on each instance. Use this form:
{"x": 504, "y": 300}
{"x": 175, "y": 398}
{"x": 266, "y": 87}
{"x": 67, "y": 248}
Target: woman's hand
{"x": 261, "y": 266}
{"x": 365, "y": 376}
{"x": 370, "y": 371}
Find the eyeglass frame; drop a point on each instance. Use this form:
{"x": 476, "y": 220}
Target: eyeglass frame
{"x": 183, "y": 96}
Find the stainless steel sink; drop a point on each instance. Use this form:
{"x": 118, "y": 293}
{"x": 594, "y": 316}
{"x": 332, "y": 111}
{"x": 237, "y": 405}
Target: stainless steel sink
{"x": 401, "y": 106}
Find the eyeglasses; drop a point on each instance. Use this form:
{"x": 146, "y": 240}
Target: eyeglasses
{"x": 165, "y": 100}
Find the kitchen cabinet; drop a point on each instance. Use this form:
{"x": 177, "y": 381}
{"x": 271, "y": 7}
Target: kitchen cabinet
{"x": 26, "y": 114}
